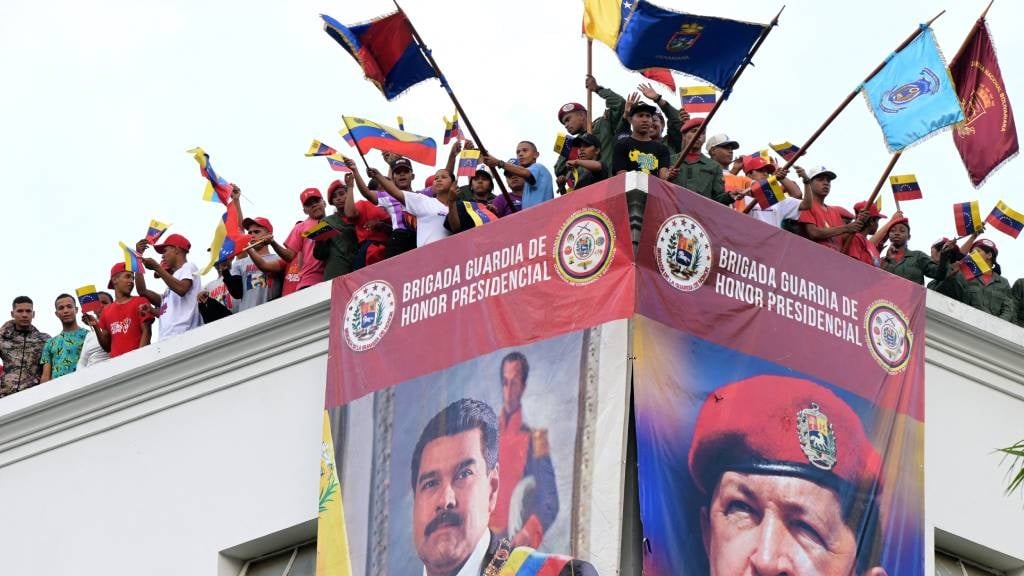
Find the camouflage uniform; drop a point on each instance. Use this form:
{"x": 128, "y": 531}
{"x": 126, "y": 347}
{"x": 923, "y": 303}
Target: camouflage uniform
{"x": 993, "y": 296}
{"x": 20, "y": 352}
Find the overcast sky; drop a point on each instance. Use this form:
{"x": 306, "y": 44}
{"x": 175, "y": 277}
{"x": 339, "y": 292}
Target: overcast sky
{"x": 101, "y": 100}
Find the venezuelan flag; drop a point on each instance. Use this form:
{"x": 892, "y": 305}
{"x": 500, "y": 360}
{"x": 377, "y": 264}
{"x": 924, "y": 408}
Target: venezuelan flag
{"x": 525, "y": 561}
{"x": 228, "y": 239}
{"x": 602, "y": 20}
{"x": 974, "y": 265}
{"x": 767, "y": 192}
{"x": 563, "y": 145}
{"x": 468, "y": 161}
{"x": 215, "y": 185}
{"x": 1006, "y": 219}
{"x": 968, "y": 217}
{"x": 348, "y": 137}
{"x": 318, "y": 148}
{"x": 322, "y": 231}
{"x": 88, "y": 298}
{"x": 905, "y": 187}
{"x": 698, "y": 99}
{"x": 452, "y": 131}
{"x": 337, "y": 163}
{"x": 156, "y": 230}
{"x": 477, "y": 213}
{"x": 786, "y": 149}
{"x": 369, "y": 135}
{"x": 132, "y": 259}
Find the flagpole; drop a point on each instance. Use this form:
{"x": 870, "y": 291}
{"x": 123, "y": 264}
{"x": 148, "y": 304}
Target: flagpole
{"x": 970, "y": 34}
{"x": 451, "y": 94}
{"x": 728, "y": 87}
{"x": 874, "y": 193}
{"x": 853, "y": 94}
{"x": 590, "y": 72}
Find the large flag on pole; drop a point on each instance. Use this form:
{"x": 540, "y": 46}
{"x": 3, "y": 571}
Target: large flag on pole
{"x": 386, "y": 51}
{"x": 988, "y": 135}
{"x": 913, "y": 96}
{"x": 369, "y": 135}
{"x": 646, "y": 36}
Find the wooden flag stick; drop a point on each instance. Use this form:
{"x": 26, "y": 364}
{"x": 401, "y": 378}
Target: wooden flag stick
{"x": 590, "y": 72}
{"x": 874, "y": 193}
{"x": 974, "y": 28}
{"x": 687, "y": 146}
{"x": 462, "y": 112}
{"x": 853, "y": 94}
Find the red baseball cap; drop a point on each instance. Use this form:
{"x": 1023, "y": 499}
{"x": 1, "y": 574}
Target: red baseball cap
{"x": 259, "y": 221}
{"x": 570, "y": 107}
{"x": 114, "y": 271}
{"x": 691, "y": 124}
{"x": 310, "y": 193}
{"x": 751, "y": 163}
{"x": 782, "y": 426}
{"x": 176, "y": 240}
{"x": 872, "y": 209}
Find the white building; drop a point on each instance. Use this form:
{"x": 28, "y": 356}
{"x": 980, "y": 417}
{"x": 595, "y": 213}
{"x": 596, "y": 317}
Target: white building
{"x": 196, "y": 455}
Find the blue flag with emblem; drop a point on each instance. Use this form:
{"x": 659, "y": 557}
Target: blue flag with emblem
{"x": 913, "y": 95}
{"x": 711, "y": 49}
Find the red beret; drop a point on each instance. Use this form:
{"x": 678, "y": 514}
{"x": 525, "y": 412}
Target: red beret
{"x": 781, "y": 426}
{"x": 691, "y": 124}
{"x": 570, "y": 107}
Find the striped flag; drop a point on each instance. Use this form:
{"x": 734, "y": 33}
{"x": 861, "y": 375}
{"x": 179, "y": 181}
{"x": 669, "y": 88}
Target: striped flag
{"x": 156, "y": 230}
{"x": 132, "y": 259}
{"x": 968, "y": 217}
{"x": 452, "y": 131}
{"x": 563, "y": 145}
{"x": 905, "y": 187}
{"x": 337, "y": 163}
{"x": 661, "y": 76}
{"x": 698, "y": 99}
{"x": 974, "y": 265}
{"x": 347, "y": 136}
{"x": 370, "y": 135}
{"x": 321, "y": 231}
{"x": 786, "y": 149}
{"x": 768, "y": 192}
{"x": 468, "y": 160}
{"x": 401, "y": 123}
{"x": 89, "y": 298}
{"x": 318, "y": 148}
{"x": 217, "y": 189}
{"x": 1006, "y": 219}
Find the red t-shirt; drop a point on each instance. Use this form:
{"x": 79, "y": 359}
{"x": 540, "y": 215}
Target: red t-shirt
{"x": 124, "y": 323}
{"x": 862, "y": 249}
{"x": 368, "y": 213}
{"x": 827, "y": 217}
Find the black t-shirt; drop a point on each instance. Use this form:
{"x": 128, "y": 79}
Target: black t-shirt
{"x": 579, "y": 177}
{"x": 646, "y": 156}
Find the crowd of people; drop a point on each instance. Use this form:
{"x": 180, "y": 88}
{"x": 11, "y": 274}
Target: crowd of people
{"x": 394, "y": 217}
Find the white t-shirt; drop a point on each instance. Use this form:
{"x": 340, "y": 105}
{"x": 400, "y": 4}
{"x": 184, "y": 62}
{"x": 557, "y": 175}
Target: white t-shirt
{"x": 179, "y": 314}
{"x": 788, "y": 207}
{"x": 258, "y": 287}
{"x": 430, "y": 216}
{"x": 92, "y": 352}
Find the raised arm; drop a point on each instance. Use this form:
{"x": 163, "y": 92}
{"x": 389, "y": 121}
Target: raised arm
{"x": 387, "y": 184}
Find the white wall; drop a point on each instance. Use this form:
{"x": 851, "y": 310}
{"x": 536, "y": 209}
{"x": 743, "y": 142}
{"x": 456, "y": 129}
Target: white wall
{"x": 157, "y": 462}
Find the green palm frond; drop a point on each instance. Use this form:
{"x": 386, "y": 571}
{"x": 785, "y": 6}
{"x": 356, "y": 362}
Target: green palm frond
{"x": 327, "y": 495}
{"x": 1016, "y": 455}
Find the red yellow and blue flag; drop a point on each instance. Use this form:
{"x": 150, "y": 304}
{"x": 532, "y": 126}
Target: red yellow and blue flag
{"x": 661, "y": 76}
{"x": 905, "y": 187}
{"x": 132, "y": 259}
{"x": 468, "y": 161}
{"x": 1006, "y": 219}
{"x": 89, "y": 298}
{"x": 786, "y": 149}
{"x": 155, "y": 231}
{"x": 318, "y": 148}
{"x": 968, "y": 218}
{"x": 321, "y": 231}
{"x": 452, "y": 131}
{"x": 698, "y": 99}
{"x": 369, "y": 135}
{"x": 386, "y": 51}
{"x": 768, "y": 192}
{"x": 217, "y": 189}
{"x": 337, "y": 163}
{"x": 228, "y": 238}
{"x": 563, "y": 146}
{"x": 974, "y": 265}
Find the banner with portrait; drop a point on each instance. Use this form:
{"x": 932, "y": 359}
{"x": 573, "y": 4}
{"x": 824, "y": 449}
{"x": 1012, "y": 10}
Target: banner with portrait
{"x": 778, "y": 394}
{"x": 477, "y": 398}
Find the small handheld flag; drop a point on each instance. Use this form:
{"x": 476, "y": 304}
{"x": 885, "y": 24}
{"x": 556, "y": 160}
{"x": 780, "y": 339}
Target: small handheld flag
{"x": 318, "y": 148}
{"x": 337, "y": 163}
{"x": 401, "y": 123}
{"x": 451, "y": 129}
{"x": 563, "y": 145}
{"x": 217, "y": 189}
{"x": 156, "y": 230}
{"x": 786, "y": 149}
{"x": 968, "y": 218}
{"x": 905, "y": 187}
{"x": 347, "y": 136}
{"x": 132, "y": 259}
{"x": 767, "y": 192}
{"x": 321, "y": 231}
{"x": 89, "y": 298}
{"x": 468, "y": 160}
{"x": 698, "y": 99}
{"x": 974, "y": 265}
{"x": 1006, "y": 219}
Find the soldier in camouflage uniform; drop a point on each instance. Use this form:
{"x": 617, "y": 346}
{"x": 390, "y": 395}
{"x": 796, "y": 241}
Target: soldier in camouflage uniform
{"x": 573, "y": 117}
{"x": 21, "y": 347}
{"x": 989, "y": 292}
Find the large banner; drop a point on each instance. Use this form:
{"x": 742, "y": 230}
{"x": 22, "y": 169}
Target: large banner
{"x": 477, "y": 398}
{"x": 778, "y": 391}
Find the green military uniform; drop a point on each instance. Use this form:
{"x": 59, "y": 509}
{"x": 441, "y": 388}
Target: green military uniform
{"x": 1018, "y": 300}
{"x": 339, "y": 252}
{"x": 993, "y": 297}
{"x": 703, "y": 177}
{"x": 915, "y": 265}
{"x": 674, "y": 127}
{"x": 604, "y": 128}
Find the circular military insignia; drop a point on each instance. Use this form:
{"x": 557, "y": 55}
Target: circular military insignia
{"x": 567, "y": 108}
{"x": 368, "y": 315}
{"x": 584, "y": 246}
{"x": 683, "y": 253}
{"x": 888, "y": 335}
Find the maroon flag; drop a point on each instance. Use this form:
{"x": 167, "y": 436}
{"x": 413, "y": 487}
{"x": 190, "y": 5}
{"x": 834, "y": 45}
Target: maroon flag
{"x": 988, "y": 135}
